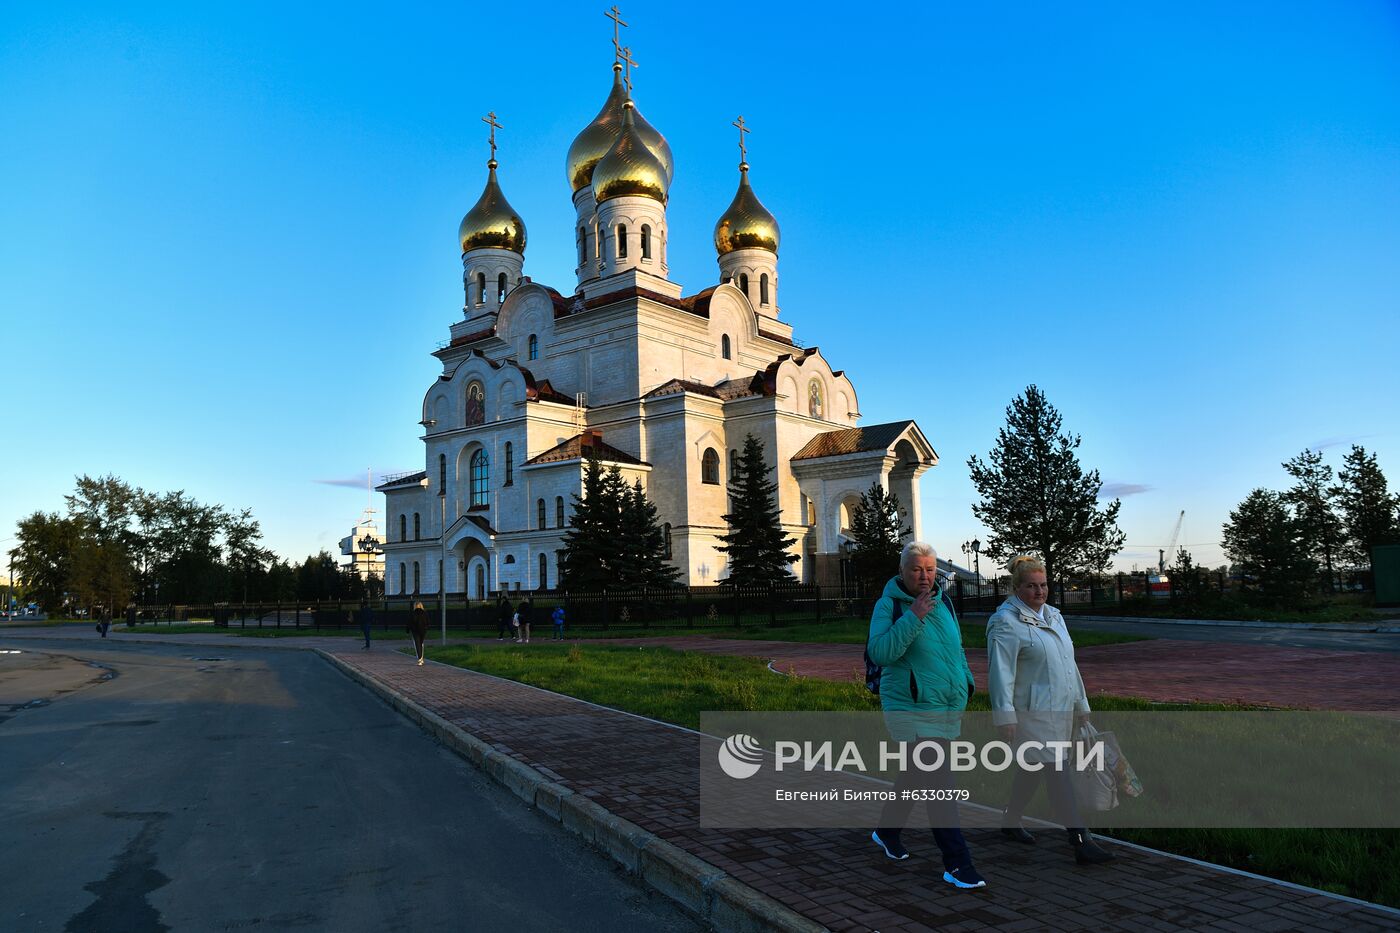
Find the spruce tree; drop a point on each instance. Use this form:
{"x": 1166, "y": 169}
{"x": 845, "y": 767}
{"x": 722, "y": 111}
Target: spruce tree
{"x": 755, "y": 543}
{"x": 645, "y": 540}
{"x": 1265, "y": 542}
{"x": 1367, "y": 506}
{"x": 877, "y": 534}
{"x": 585, "y": 555}
{"x": 1312, "y": 498}
{"x": 1037, "y": 499}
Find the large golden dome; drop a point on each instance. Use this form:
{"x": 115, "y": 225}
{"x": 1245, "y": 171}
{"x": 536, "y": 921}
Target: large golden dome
{"x": 598, "y": 137}
{"x": 747, "y": 223}
{"x": 492, "y": 223}
{"x": 630, "y": 166}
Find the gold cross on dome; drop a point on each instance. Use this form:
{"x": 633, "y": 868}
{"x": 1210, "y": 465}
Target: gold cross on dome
{"x": 626, "y": 59}
{"x": 616, "y": 16}
{"x": 490, "y": 120}
{"x": 743, "y": 151}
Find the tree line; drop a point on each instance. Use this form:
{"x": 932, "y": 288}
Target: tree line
{"x": 116, "y": 543}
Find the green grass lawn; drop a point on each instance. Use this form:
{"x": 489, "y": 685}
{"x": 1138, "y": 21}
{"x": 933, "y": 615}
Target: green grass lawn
{"x": 676, "y": 686}
{"x": 1230, "y": 608}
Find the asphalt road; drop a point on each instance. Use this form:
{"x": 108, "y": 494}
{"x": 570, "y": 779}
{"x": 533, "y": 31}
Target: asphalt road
{"x": 266, "y": 791}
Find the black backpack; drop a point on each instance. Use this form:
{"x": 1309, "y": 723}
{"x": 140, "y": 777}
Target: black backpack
{"x": 873, "y": 670}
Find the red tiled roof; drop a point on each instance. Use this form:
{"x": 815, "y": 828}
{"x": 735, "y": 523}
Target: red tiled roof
{"x": 852, "y": 440}
{"x": 574, "y": 449}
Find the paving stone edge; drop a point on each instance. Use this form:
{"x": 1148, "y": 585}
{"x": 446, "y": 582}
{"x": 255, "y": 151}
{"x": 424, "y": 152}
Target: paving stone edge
{"x": 701, "y": 889}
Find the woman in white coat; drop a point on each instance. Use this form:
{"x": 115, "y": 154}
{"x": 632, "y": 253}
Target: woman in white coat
{"x": 1036, "y": 695}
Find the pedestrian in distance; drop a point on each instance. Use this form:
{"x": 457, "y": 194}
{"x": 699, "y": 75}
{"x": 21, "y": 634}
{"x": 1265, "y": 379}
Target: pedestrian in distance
{"x": 418, "y": 628}
{"x": 131, "y": 615}
{"x": 104, "y": 621}
{"x": 523, "y": 613}
{"x": 1037, "y": 695}
{"x": 365, "y": 616}
{"x": 558, "y": 617}
{"x": 505, "y": 619}
{"x": 924, "y": 687}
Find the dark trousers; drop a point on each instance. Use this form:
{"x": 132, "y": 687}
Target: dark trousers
{"x": 1057, "y": 785}
{"x": 503, "y": 628}
{"x": 942, "y": 814}
{"x": 418, "y": 638}
{"x": 364, "y": 630}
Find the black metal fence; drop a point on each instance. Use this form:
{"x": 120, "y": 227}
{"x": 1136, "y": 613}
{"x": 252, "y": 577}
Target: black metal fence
{"x": 699, "y": 608}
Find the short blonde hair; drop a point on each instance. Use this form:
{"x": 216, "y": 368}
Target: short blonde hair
{"x": 916, "y": 549}
{"x": 1022, "y": 564}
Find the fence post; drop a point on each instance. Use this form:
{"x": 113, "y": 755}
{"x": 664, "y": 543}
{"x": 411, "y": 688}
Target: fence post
{"x": 607, "y": 613}
{"x": 772, "y": 605}
{"x": 689, "y": 609}
{"x": 735, "y": 597}
{"x": 1092, "y": 581}
{"x": 817, "y": 587}
{"x": 1171, "y": 588}
{"x": 1221, "y": 575}
{"x": 1120, "y": 586}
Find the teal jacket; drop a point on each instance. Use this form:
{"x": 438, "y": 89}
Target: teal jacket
{"x": 925, "y": 669}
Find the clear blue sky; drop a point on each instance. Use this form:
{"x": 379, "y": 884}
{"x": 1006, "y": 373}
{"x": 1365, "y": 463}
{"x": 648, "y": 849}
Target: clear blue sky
{"x": 227, "y": 235}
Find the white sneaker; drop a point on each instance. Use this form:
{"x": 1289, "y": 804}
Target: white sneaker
{"x": 420, "y": 662}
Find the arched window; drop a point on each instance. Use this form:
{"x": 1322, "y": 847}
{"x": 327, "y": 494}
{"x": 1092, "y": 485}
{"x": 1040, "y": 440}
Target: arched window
{"x": 544, "y": 572}
{"x": 532, "y": 348}
{"x": 539, "y": 514}
{"x": 709, "y": 467}
{"x": 621, "y": 241}
{"x": 510, "y": 464}
{"x": 481, "y": 288}
{"x": 417, "y": 577}
{"x": 417, "y": 527}
{"x": 646, "y": 241}
{"x": 403, "y": 578}
{"x": 480, "y": 581}
{"x": 744, "y": 282}
{"x": 763, "y": 289}
{"x": 666, "y": 529}
{"x": 476, "y": 404}
{"x": 582, "y": 245}
{"x": 481, "y": 478}
{"x": 442, "y": 474}
{"x": 501, "y": 287}
{"x": 814, "y": 399}
{"x": 725, "y": 350}
{"x": 558, "y": 511}
{"x": 403, "y": 528}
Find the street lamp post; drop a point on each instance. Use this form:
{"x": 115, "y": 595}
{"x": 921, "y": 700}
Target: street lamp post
{"x": 977, "y": 567}
{"x": 442, "y": 575}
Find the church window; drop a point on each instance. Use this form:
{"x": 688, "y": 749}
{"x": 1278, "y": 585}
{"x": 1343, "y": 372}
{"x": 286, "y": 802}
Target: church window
{"x": 814, "y": 399}
{"x": 417, "y": 577}
{"x": 763, "y": 289}
{"x": 733, "y": 464}
{"x": 582, "y": 245}
{"x": 539, "y": 514}
{"x": 724, "y": 348}
{"x": 544, "y": 571}
{"x": 480, "y": 581}
{"x": 476, "y": 404}
{"x": 558, "y": 511}
{"x": 510, "y": 558}
{"x": 646, "y": 241}
{"x": 510, "y": 464}
{"x": 500, "y": 288}
{"x": 532, "y": 350}
{"x": 481, "y": 288}
{"x": 709, "y": 467}
{"x": 442, "y": 474}
{"x": 481, "y": 478}
{"x": 811, "y": 512}
{"x": 621, "y": 241}
{"x": 417, "y": 527}
{"x": 666, "y": 529}
{"x": 744, "y": 282}
{"x": 403, "y": 578}
{"x": 403, "y": 527}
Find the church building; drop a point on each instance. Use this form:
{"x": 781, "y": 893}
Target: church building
{"x": 627, "y": 368}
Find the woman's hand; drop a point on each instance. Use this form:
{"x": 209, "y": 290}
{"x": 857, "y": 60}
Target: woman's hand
{"x": 923, "y": 604}
{"x": 1008, "y": 732}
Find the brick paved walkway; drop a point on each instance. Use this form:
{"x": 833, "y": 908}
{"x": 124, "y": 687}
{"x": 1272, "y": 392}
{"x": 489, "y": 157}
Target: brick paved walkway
{"x": 646, "y": 772}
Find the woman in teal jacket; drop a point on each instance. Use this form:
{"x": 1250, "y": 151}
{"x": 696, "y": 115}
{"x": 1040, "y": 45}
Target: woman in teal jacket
{"x": 924, "y": 687}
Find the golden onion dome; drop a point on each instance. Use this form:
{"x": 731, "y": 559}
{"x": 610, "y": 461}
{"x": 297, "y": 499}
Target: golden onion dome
{"x": 492, "y": 223}
{"x": 747, "y": 223}
{"x": 597, "y": 138}
{"x": 630, "y": 167}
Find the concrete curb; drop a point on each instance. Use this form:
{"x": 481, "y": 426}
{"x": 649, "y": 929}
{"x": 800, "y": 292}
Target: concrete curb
{"x": 699, "y": 888}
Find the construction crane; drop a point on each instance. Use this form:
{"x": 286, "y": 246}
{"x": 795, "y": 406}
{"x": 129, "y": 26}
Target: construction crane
{"x": 1171, "y": 548}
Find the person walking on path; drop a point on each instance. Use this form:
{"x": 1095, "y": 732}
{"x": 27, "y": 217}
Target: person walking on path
{"x": 418, "y": 628}
{"x": 1037, "y": 695}
{"x": 365, "y": 616}
{"x": 131, "y": 615}
{"x": 558, "y": 617}
{"x": 924, "y": 687}
{"x": 523, "y": 613}
{"x": 104, "y": 621}
{"x": 505, "y": 615}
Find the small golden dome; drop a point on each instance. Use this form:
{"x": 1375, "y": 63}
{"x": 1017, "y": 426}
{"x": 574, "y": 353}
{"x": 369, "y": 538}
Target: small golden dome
{"x": 630, "y": 167}
{"x": 492, "y": 223}
{"x": 598, "y": 137}
{"x": 747, "y": 223}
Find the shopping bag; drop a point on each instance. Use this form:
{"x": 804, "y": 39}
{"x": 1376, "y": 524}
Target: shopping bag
{"x": 1095, "y": 788}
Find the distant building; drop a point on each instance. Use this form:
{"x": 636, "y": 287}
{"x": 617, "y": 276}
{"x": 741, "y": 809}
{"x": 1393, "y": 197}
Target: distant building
{"x": 363, "y": 547}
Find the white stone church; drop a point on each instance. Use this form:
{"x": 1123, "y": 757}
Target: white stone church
{"x": 632, "y": 370}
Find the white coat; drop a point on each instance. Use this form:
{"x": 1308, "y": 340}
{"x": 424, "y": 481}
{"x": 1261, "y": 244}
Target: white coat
{"x": 1031, "y": 675}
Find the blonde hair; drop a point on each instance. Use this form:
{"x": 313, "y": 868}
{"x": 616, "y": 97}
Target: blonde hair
{"x": 915, "y": 549}
{"x": 1022, "y": 564}
{"x": 417, "y": 605}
